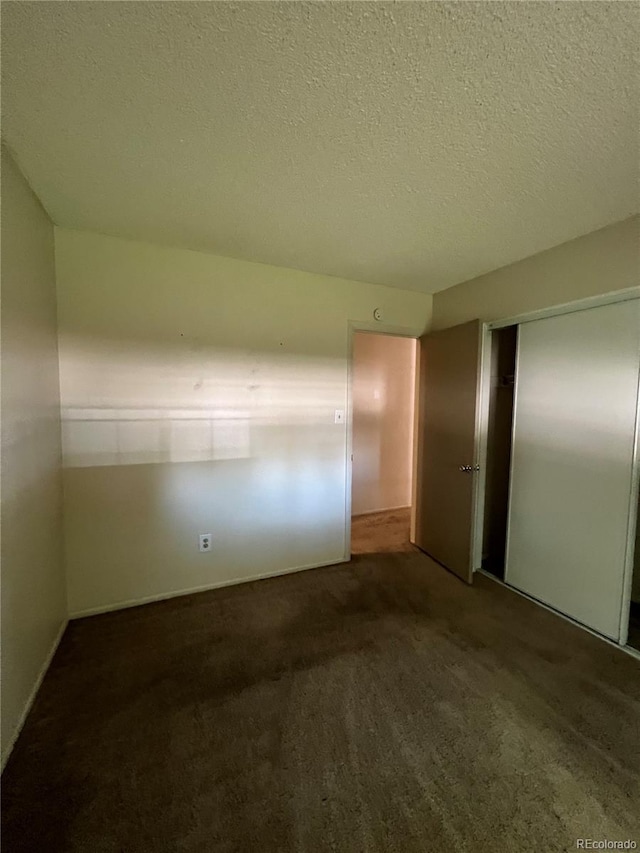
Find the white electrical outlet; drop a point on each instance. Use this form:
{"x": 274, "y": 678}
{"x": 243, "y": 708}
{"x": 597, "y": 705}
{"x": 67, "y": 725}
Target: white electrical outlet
{"x": 339, "y": 416}
{"x": 205, "y": 541}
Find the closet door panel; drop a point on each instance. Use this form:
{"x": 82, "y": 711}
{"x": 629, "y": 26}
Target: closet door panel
{"x": 575, "y": 411}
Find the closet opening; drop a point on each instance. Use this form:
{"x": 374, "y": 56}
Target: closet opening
{"x": 558, "y": 414}
{"x": 633, "y": 637}
{"x": 499, "y": 437}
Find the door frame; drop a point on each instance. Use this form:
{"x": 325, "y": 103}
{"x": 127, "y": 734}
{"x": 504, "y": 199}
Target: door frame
{"x": 376, "y": 328}
{"x": 625, "y": 295}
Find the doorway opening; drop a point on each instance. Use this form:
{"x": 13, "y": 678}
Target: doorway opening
{"x": 383, "y": 388}
{"x": 502, "y": 356}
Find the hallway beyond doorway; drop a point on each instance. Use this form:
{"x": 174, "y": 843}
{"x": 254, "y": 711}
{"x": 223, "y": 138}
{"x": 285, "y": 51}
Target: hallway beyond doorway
{"x": 381, "y": 532}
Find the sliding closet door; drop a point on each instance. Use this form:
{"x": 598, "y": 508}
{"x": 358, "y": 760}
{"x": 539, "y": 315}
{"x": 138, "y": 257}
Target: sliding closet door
{"x": 575, "y": 409}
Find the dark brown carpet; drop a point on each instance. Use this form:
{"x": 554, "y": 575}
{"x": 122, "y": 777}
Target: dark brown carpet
{"x": 381, "y": 532}
{"x": 377, "y": 706}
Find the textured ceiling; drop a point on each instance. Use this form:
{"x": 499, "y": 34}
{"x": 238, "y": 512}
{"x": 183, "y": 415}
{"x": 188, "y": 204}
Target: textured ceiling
{"x": 414, "y": 144}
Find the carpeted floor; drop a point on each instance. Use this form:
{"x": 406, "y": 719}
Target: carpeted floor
{"x": 381, "y": 532}
{"x": 381, "y": 706}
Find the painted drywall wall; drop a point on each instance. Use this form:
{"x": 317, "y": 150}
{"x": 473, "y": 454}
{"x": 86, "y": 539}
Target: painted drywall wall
{"x": 600, "y": 262}
{"x": 34, "y": 608}
{"x": 199, "y": 396}
{"x": 383, "y": 408}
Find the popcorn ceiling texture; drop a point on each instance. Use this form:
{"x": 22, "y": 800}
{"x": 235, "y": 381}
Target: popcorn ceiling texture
{"x": 415, "y": 145}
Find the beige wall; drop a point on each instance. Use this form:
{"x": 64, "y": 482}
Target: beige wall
{"x": 33, "y": 587}
{"x": 198, "y": 396}
{"x": 600, "y": 262}
{"x": 383, "y": 395}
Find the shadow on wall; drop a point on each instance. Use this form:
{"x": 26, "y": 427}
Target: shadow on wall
{"x": 159, "y": 406}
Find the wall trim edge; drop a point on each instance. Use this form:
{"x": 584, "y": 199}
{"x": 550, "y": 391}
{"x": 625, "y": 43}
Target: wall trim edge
{"x": 384, "y": 509}
{"x": 164, "y": 596}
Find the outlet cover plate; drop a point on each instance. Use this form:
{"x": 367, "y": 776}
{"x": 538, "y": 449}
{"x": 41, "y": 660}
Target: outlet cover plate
{"x": 204, "y": 541}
